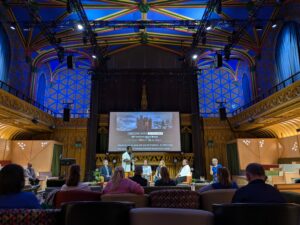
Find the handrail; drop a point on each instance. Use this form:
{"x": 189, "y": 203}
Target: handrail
{"x": 73, "y": 115}
{"x": 4, "y": 86}
{"x": 292, "y": 79}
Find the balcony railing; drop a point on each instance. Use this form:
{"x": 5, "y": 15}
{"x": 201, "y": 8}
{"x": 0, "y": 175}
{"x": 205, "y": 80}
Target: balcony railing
{"x": 22, "y": 96}
{"x": 276, "y": 88}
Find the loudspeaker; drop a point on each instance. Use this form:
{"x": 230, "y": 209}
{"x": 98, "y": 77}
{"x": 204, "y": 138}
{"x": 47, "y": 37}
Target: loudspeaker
{"x": 219, "y": 60}
{"x": 70, "y": 62}
{"x": 66, "y": 117}
{"x": 222, "y": 113}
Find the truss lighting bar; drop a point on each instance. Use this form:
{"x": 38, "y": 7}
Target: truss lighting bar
{"x": 236, "y": 36}
{"x": 190, "y": 24}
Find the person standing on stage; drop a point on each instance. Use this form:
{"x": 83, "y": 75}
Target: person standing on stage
{"x": 184, "y": 172}
{"x": 127, "y": 161}
{"x": 105, "y": 170}
{"x": 214, "y": 169}
{"x": 147, "y": 171}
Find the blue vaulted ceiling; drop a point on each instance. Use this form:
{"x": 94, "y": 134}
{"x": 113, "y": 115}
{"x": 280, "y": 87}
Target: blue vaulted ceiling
{"x": 130, "y": 10}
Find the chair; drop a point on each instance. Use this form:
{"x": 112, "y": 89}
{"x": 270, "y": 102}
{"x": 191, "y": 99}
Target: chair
{"x": 138, "y": 200}
{"x": 174, "y": 199}
{"x": 165, "y": 216}
{"x": 96, "y": 213}
{"x": 257, "y": 214}
{"x": 29, "y": 216}
{"x": 75, "y": 196}
{"x": 220, "y": 196}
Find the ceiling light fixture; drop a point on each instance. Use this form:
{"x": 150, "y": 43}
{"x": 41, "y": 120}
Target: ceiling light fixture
{"x": 79, "y": 26}
{"x": 194, "y": 56}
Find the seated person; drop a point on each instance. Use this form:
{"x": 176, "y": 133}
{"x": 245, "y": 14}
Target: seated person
{"x": 30, "y": 174}
{"x": 165, "y": 178}
{"x": 119, "y": 184}
{"x": 73, "y": 180}
{"x": 185, "y": 171}
{"x": 105, "y": 170}
{"x": 138, "y": 176}
{"x": 12, "y": 182}
{"x": 214, "y": 169}
{"x": 224, "y": 181}
{"x": 257, "y": 191}
{"x": 147, "y": 170}
{"x": 157, "y": 171}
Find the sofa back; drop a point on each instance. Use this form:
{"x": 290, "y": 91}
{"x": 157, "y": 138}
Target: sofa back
{"x": 140, "y": 201}
{"x": 174, "y": 199}
{"x": 159, "y": 216}
{"x": 220, "y": 196}
{"x": 95, "y": 213}
{"x": 256, "y": 214}
{"x": 75, "y": 195}
{"x": 29, "y": 216}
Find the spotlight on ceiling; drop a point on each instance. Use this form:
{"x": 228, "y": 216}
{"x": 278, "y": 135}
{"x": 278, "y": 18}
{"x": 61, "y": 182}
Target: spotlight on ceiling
{"x": 259, "y": 27}
{"x": 274, "y": 24}
{"x": 194, "y": 56}
{"x": 12, "y": 27}
{"x": 79, "y": 26}
{"x": 209, "y": 27}
{"x": 94, "y": 56}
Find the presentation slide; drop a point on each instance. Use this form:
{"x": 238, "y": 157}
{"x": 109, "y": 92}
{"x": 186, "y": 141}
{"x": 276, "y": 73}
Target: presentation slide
{"x": 144, "y": 131}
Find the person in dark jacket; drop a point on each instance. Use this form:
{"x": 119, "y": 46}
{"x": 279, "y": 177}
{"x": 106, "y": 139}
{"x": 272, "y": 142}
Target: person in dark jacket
{"x": 105, "y": 170}
{"x": 165, "y": 178}
{"x": 138, "y": 176}
{"x": 257, "y": 191}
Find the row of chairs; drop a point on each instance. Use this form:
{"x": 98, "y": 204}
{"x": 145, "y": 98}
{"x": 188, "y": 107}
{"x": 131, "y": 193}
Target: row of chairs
{"x": 124, "y": 213}
{"x": 158, "y": 199}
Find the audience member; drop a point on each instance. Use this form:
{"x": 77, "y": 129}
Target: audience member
{"x": 138, "y": 176}
{"x": 119, "y": 184}
{"x": 12, "y": 182}
{"x": 157, "y": 171}
{"x": 73, "y": 180}
{"x": 214, "y": 169}
{"x": 30, "y": 174}
{"x": 105, "y": 170}
{"x": 165, "y": 178}
{"x": 257, "y": 191}
{"x": 147, "y": 170}
{"x": 224, "y": 181}
{"x": 184, "y": 172}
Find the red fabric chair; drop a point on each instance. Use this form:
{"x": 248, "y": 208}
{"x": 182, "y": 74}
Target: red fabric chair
{"x": 175, "y": 199}
{"x": 75, "y": 196}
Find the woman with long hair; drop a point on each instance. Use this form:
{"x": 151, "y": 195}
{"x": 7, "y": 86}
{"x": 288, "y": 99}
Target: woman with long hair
{"x": 12, "y": 182}
{"x": 165, "y": 179}
{"x": 73, "y": 180}
{"x": 119, "y": 184}
{"x": 224, "y": 181}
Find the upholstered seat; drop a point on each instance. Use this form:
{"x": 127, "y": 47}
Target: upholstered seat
{"x": 175, "y": 199}
{"x": 75, "y": 195}
{"x": 220, "y": 196}
{"x": 29, "y": 216}
{"x": 96, "y": 213}
{"x": 257, "y": 214}
{"x": 138, "y": 200}
{"x": 167, "y": 216}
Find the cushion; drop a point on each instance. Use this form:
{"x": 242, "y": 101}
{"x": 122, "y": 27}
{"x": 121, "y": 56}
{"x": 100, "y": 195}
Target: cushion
{"x": 220, "y": 196}
{"x": 29, "y": 216}
{"x": 174, "y": 199}
{"x": 138, "y": 200}
{"x": 167, "y": 216}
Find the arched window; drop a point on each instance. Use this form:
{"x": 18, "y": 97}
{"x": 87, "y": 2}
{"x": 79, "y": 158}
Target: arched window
{"x": 246, "y": 89}
{"x": 288, "y": 51}
{"x": 4, "y": 54}
{"x": 41, "y": 89}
